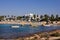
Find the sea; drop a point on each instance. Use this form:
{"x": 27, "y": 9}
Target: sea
{"x": 6, "y": 30}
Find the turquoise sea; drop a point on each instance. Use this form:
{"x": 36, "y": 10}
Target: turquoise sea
{"x": 7, "y": 32}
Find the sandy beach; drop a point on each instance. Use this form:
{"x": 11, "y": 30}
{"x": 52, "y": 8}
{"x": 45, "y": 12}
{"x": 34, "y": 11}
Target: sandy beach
{"x": 31, "y": 23}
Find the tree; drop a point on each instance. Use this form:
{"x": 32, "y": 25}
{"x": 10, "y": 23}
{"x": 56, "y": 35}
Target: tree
{"x": 27, "y": 18}
{"x": 34, "y": 16}
{"x": 57, "y": 18}
{"x": 46, "y": 17}
{"x": 15, "y": 18}
{"x": 1, "y": 18}
{"x": 37, "y": 19}
{"x": 19, "y": 17}
{"x": 37, "y": 15}
{"x": 52, "y": 18}
{"x": 41, "y": 16}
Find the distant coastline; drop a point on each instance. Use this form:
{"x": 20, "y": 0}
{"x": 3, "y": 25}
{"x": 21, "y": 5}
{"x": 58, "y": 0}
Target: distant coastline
{"x": 32, "y": 19}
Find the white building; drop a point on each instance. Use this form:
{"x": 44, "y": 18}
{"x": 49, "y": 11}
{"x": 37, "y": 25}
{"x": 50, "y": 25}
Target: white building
{"x": 32, "y": 16}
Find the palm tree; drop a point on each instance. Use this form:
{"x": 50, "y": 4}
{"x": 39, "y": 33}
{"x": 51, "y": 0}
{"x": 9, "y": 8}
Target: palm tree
{"x": 27, "y": 18}
{"x": 52, "y": 18}
{"x": 37, "y": 15}
{"x": 41, "y": 17}
{"x": 15, "y": 18}
{"x": 57, "y": 17}
{"x": 34, "y": 16}
{"x": 46, "y": 17}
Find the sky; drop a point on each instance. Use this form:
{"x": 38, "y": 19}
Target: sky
{"x": 22, "y": 7}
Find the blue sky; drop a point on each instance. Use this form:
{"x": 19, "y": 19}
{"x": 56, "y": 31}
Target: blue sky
{"x": 21, "y": 7}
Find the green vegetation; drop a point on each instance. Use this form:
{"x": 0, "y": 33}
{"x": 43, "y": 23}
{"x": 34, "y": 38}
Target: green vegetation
{"x": 19, "y": 17}
{"x": 1, "y": 18}
{"x": 51, "y": 18}
{"x": 34, "y": 18}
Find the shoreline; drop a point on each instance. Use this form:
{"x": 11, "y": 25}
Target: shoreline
{"x": 38, "y": 35}
{"x": 52, "y": 31}
{"x": 30, "y": 23}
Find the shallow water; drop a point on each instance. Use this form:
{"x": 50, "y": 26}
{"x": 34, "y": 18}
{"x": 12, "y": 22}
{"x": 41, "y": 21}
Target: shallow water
{"x": 7, "y": 32}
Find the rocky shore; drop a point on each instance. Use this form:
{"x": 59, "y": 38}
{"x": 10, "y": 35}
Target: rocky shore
{"x": 55, "y": 34}
{"x": 52, "y": 35}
